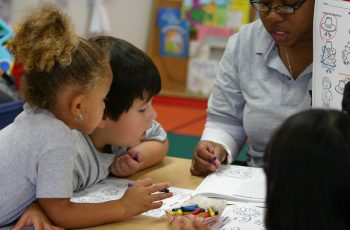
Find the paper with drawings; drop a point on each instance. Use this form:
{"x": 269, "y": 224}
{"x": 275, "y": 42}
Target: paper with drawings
{"x": 331, "y": 53}
{"x": 241, "y": 216}
{"x": 233, "y": 182}
{"x": 114, "y": 188}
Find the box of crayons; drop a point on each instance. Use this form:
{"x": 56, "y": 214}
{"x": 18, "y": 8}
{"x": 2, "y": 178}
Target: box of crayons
{"x": 199, "y": 208}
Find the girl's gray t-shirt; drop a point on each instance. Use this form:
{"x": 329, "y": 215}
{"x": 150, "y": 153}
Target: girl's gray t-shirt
{"x": 36, "y": 161}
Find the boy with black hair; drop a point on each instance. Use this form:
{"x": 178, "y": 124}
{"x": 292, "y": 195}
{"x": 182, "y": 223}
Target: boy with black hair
{"x": 128, "y": 138}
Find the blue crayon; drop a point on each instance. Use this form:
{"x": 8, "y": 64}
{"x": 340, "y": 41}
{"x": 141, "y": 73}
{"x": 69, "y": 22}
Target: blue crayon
{"x": 188, "y": 208}
{"x": 130, "y": 184}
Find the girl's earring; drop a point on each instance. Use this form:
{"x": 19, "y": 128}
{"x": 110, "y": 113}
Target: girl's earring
{"x": 79, "y": 117}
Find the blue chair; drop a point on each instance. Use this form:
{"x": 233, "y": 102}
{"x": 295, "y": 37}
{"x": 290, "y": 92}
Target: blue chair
{"x": 9, "y": 111}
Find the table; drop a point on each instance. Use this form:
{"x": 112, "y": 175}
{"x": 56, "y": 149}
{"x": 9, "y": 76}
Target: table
{"x": 173, "y": 170}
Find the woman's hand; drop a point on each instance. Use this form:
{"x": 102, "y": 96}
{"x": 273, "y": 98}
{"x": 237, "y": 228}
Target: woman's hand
{"x": 207, "y": 158}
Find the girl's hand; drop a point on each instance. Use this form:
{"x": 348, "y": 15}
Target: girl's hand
{"x": 127, "y": 164}
{"x": 144, "y": 196}
{"x": 35, "y": 216}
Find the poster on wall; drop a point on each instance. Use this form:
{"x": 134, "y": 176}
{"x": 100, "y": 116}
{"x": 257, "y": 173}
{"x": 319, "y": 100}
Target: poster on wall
{"x": 331, "y": 64}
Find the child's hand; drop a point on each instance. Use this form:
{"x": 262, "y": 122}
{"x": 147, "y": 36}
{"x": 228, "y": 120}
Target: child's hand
{"x": 185, "y": 223}
{"x": 35, "y": 216}
{"x": 142, "y": 196}
{"x": 127, "y": 164}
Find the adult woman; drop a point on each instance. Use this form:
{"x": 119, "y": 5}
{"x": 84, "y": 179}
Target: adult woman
{"x": 264, "y": 77}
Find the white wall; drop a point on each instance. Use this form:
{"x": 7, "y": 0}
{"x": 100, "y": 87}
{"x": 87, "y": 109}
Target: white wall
{"x": 130, "y": 19}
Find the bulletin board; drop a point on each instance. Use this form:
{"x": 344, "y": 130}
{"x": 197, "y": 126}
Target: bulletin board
{"x": 173, "y": 70}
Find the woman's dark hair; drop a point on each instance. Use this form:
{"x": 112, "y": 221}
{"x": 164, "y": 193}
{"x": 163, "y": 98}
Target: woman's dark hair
{"x": 134, "y": 75}
{"x": 308, "y": 175}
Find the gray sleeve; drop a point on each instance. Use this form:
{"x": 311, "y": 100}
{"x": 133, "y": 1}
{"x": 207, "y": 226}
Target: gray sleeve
{"x": 55, "y": 173}
{"x": 156, "y": 132}
{"x": 226, "y": 102}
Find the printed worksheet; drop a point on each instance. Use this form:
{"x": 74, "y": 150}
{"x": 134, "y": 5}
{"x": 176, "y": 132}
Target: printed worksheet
{"x": 235, "y": 183}
{"x": 114, "y": 188}
{"x": 241, "y": 216}
{"x": 331, "y": 59}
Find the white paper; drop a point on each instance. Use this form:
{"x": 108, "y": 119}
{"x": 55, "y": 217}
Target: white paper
{"x": 114, "y": 188}
{"x": 241, "y": 216}
{"x": 331, "y": 58}
{"x": 233, "y": 182}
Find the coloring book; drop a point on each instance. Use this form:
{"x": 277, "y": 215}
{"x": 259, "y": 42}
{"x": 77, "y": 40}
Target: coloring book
{"x": 235, "y": 183}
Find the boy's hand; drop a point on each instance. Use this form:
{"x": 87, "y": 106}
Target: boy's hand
{"x": 207, "y": 158}
{"x": 35, "y": 216}
{"x": 127, "y": 164}
{"x": 144, "y": 196}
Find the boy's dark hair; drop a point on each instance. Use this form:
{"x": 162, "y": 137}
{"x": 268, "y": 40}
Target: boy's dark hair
{"x": 308, "y": 174}
{"x": 346, "y": 98}
{"x": 134, "y": 75}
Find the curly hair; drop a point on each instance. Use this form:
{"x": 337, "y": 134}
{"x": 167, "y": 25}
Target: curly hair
{"x": 53, "y": 56}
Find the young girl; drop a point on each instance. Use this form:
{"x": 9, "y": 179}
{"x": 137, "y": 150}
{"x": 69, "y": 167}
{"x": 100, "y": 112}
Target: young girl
{"x": 67, "y": 79}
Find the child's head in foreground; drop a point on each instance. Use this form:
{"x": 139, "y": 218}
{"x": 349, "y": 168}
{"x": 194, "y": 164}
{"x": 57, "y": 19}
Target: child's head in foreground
{"x": 136, "y": 80}
{"x": 308, "y": 174}
{"x": 346, "y": 98}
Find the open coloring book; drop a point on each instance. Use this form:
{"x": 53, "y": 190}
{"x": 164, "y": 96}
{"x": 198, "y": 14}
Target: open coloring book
{"x": 235, "y": 183}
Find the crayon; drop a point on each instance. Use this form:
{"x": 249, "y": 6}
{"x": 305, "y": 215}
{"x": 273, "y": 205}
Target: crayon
{"x": 197, "y": 211}
{"x": 130, "y": 184}
{"x": 212, "y": 160}
{"x": 211, "y": 212}
{"x": 204, "y": 215}
{"x": 188, "y": 208}
{"x": 164, "y": 190}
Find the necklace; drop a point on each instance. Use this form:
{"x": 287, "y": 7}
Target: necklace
{"x": 289, "y": 65}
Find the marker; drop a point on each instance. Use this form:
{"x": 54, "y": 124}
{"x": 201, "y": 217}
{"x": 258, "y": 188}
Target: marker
{"x": 212, "y": 160}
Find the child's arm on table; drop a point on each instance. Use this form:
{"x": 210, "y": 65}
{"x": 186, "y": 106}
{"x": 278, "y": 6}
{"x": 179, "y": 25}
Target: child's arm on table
{"x": 144, "y": 155}
{"x": 34, "y": 215}
{"x": 137, "y": 199}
